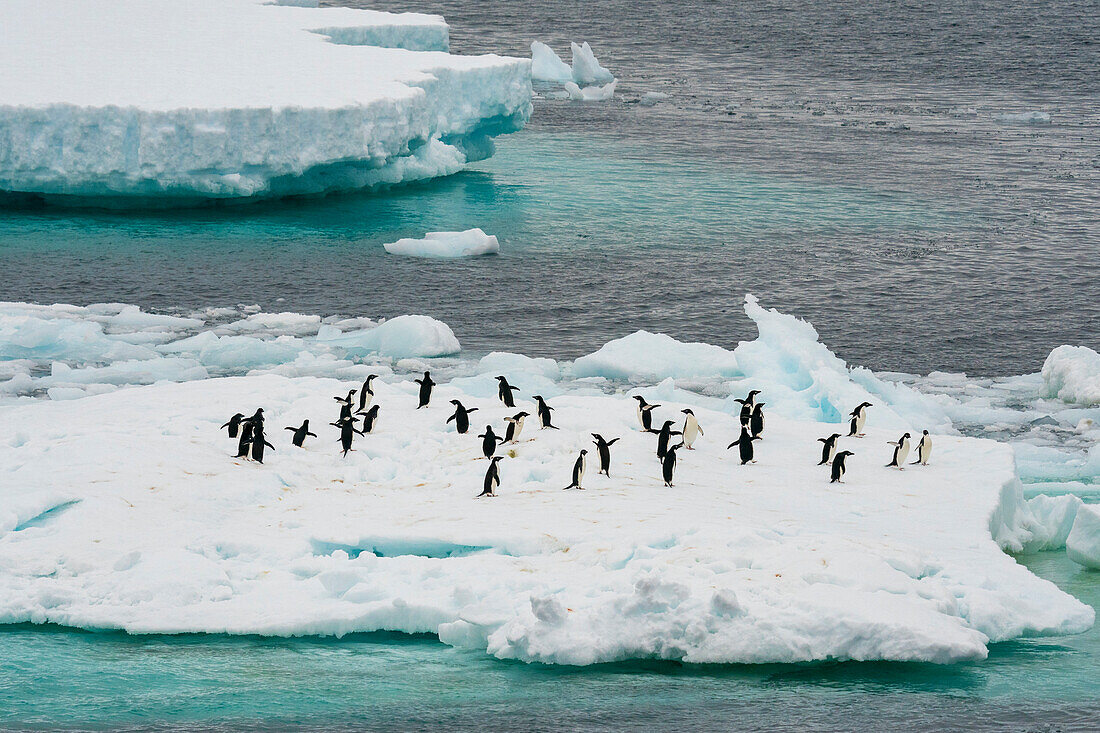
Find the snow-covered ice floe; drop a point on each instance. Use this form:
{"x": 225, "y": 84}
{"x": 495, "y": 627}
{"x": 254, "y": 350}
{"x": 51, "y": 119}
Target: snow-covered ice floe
{"x": 238, "y": 99}
{"x": 1072, "y": 374}
{"x": 127, "y": 512}
{"x": 469, "y": 243}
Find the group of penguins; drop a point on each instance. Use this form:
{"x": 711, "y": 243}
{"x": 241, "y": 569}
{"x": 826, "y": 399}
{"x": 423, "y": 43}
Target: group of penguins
{"x": 251, "y": 441}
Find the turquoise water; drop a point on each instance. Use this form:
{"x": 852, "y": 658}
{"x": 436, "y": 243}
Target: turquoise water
{"x": 52, "y": 677}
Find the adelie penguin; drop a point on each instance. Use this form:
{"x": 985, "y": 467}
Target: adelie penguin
{"x": 924, "y": 450}
{"x": 426, "y": 385}
{"x": 859, "y": 419}
{"x": 744, "y": 445}
{"x": 756, "y": 421}
{"x": 828, "y": 450}
{"x": 300, "y": 434}
{"x": 234, "y": 425}
{"x": 746, "y": 406}
{"x": 489, "y": 441}
{"x": 668, "y": 463}
{"x": 515, "y": 426}
{"x": 258, "y": 443}
{"x": 366, "y": 394}
{"x": 645, "y": 414}
{"x": 838, "y": 466}
{"x": 603, "y": 449}
{"x": 692, "y": 429}
{"x": 504, "y": 392}
{"x": 346, "y": 400}
{"x": 901, "y": 452}
{"x": 248, "y": 426}
{"x": 347, "y": 434}
{"x": 461, "y": 417}
{"x": 663, "y": 437}
{"x": 578, "y": 471}
{"x": 544, "y": 411}
{"x": 370, "y": 420}
{"x": 492, "y": 478}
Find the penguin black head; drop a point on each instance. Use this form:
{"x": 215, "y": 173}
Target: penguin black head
{"x": 760, "y": 404}
{"x": 641, "y": 400}
{"x": 598, "y": 437}
{"x": 906, "y": 435}
{"x": 456, "y": 403}
{"x": 687, "y": 411}
{"x": 753, "y": 393}
{"x": 584, "y": 451}
{"x": 371, "y": 378}
{"x": 668, "y": 423}
{"x": 834, "y": 436}
{"x": 427, "y": 374}
{"x": 520, "y": 414}
{"x": 502, "y": 379}
{"x": 845, "y": 453}
{"x": 926, "y": 432}
{"x": 538, "y": 397}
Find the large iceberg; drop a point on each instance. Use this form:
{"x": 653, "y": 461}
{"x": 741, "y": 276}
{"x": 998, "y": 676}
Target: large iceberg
{"x": 160, "y": 100}
{"x": 760, "y": 563}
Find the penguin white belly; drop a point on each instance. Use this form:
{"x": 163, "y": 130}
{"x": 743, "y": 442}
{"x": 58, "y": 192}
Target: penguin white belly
{"x": 861, "y": 420}
{"x": 519, "y": 429}
{"x": 691, "y": 431}
{"x": 903, "y": 452}
{"x": 832, "y": 452}
{"x": 924, "y": 451}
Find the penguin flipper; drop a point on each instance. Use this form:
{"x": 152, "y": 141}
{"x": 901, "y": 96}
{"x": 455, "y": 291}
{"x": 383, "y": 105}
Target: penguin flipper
{"x": 313, "y": 434}
{"x": 736, "y": 442}
{"x": 613, "y": 441}
{"x": 291, "y": 429}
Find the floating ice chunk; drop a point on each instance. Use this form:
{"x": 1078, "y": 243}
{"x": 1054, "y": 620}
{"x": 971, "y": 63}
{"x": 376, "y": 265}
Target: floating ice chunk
{"x": 547, "y": 65}
{"x": 1072, "y": 374}
{"x": 655, "y": 356}
{"x": 650, "y": 99}
{"x": 259, "y": 79}
{"x": 499, "y": 362}
{"x": 469, "y": 243}
{"x": 586, "y": 68}
{"x": 1023, "y": 118}
{"x": 1083, "y": 543}
{"x": 399, "y": 338}
{"x": 590, "y": 94}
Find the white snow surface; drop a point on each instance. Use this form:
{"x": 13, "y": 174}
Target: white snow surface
{"x": 1072, "y": 374}
{"x": 158, "y": 99}
{"x": 129, "y": 513}
{"x": 446, "y": 245}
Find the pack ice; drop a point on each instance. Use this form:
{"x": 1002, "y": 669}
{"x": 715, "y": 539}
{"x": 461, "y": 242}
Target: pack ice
{"x": 127, "y": 512}
{"x": 158, "y": 100}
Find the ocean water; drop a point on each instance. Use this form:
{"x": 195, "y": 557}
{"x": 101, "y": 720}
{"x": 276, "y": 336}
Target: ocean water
{"x": 847, "y": 162}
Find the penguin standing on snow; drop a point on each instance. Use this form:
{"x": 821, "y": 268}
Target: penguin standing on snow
{"x": 346, "y": 400}
{"x": 347, "y": 433}
{"x": 426, "y": 385}
{"x": 744, "y": 445}
{"x": 234, "y": 425}
{"x": 924, "y": 450}
{"x": 838, "y": 466}
{"x": 492, "y": 478}
{"x": 300, "y": 434}
{"x": 248, "y": 426}
{"x": 370, "y": 420}
{"x": 746, "y": 406}
{"x": 603, "y": 448}
{"x": 829, "y": 449}
{"x": 258, "y": 443}
{"x": 489, "y": 441}
{"x": 515, "y": 426}
{"x": 756, "y": 421}
{"x": 692, "y": 429}
{"x": 668, "y": 463}
{"x": 859, "y": 419}
{"x": 366, "y": 394}
{"x": 901, "y": 452}
{"x": 578, "y": 472}
{"x": 504, "y": 392}
{"x": 645, "y": 414}
{"x": 663, "y": 437}
{"x": 461, "y": 417}
{"x": 544, "y": 411}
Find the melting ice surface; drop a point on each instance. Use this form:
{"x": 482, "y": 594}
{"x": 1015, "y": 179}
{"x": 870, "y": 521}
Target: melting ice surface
{"x": 469, "y": 243}
{"x": 765, "y": 562}
{"x": 270, "y": 100}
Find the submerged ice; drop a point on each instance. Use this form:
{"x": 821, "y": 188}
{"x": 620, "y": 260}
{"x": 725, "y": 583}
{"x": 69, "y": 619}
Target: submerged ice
{"x": 762, "y": 563}
{"x": 237, "y": 99}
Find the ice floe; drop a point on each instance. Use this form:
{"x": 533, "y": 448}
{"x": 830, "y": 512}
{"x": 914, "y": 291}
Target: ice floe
{"x": 238, "y": 99}
{"x": 469, "y": 243}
